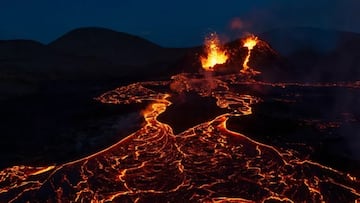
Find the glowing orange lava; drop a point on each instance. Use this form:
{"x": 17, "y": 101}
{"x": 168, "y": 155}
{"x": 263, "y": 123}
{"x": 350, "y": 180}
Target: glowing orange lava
{"x": 215, "y": 54}
{"x": 205, "y": 163}
{"x": 249, "y": 43}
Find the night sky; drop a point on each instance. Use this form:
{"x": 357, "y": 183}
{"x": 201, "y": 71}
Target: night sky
{"x": 170, "y": 23}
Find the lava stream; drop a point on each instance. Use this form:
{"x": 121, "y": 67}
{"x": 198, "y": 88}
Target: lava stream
{"x": 205, "y": 163}
{"x": 249, "y": 43}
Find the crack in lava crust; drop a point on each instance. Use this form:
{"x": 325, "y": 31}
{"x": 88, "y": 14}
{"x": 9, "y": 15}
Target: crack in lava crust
{"x": 206, "y": 163}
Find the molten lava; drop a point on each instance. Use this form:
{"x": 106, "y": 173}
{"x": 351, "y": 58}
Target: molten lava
{"x": 249, "y": 43}
{"x": 215, "y": 54}
{"x": 205, "y": 163}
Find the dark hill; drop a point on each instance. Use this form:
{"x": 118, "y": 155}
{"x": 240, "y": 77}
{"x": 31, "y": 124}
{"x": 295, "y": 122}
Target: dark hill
{"x": 85, "y": 54}
{"x": 115, "y": 47}
{"x": 20, "y": 49}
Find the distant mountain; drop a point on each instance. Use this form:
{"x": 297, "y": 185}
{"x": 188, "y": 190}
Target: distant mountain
{"x": 21, "y": 49}
{"x": 86, "y": 51}
{"x": 22, "y": 65}
{"x": 24, "y": 55}
{"x": 81, "y": 55}
{"x": 115, "y": 47}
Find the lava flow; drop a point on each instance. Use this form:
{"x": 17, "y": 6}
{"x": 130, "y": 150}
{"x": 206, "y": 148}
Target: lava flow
{"x": 249, "y": 43}
{"x": 205, "y": 163}
{"x": 214, "y": 53}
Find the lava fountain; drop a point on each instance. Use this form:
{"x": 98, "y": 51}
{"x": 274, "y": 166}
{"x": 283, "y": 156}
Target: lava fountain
{"x": 214, "y": 53}
{"x": 249, "y": 43}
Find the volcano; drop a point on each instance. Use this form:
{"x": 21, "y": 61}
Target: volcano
{"x": 219, "y": 134}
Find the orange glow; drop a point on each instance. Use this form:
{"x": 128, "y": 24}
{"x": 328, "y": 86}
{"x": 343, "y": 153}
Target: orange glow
{"x": 215, "y": 54}
{"x": 155, "y": 163}
{"x": 249, "y": 43}
{"x": 42, "y": 170}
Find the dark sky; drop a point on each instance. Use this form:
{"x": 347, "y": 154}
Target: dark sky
{"x": 171, "y": 23}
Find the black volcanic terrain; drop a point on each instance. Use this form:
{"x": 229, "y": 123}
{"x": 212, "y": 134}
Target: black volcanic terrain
{"x": 47, "y": 110}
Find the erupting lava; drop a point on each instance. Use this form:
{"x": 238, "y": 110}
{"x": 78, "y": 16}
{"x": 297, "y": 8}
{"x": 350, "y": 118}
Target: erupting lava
{"x": 249, "y": 43}
{"x": 214, "y": 53}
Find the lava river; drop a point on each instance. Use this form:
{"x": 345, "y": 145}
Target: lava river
{"x": 205, "y": 163}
